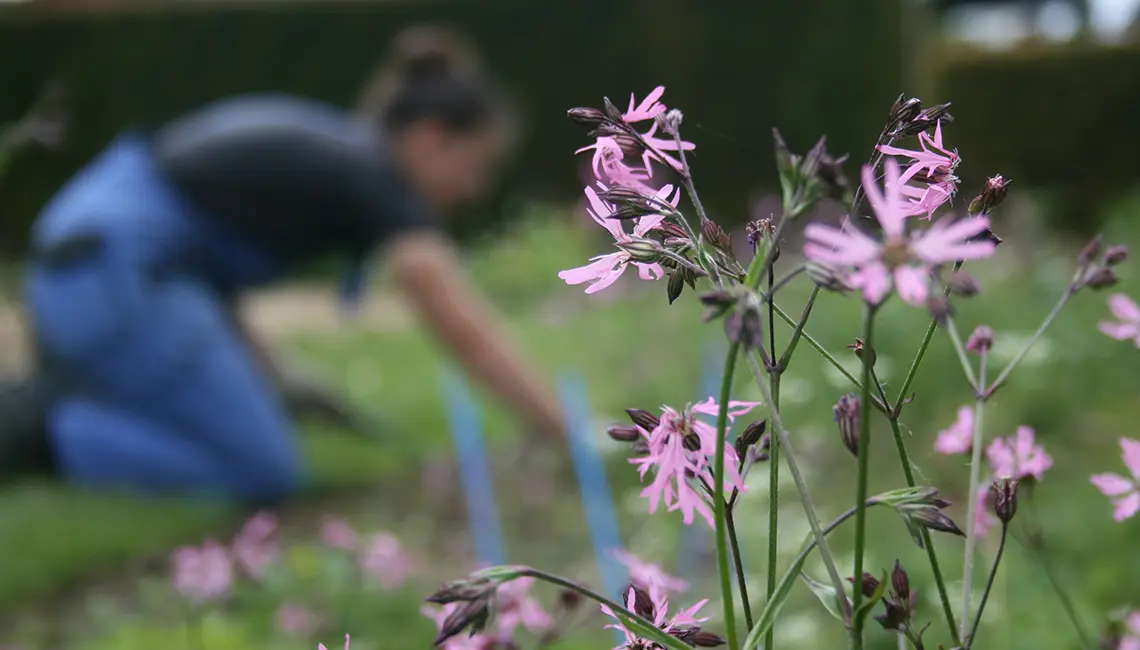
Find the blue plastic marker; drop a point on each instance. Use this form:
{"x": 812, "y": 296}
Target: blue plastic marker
{"x": 467, "y": 431}
{"x": 596, "y": 497}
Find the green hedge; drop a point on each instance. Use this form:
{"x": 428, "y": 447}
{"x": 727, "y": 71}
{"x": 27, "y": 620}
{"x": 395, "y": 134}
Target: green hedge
{"x": 738, "y": 67}
{"x": 1063, "y": 120}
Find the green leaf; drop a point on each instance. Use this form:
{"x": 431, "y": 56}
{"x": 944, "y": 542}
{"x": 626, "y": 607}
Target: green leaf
{"x": 866, "y": 607}
{"x": 826, "y": 595}
{"x": 913, "y": 528}
{"x": 774, "y": 605}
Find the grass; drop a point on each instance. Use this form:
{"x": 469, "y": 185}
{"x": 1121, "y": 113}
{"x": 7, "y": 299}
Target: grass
{"x": 1078, "y": 390}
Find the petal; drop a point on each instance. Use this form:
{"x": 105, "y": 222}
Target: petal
{"x": 1127, "y": 507}
{"x": 1124, "y": 308}
{"x": 1112, "y": 485}
{"x": 1119, "y": 331}
{"x": 1131, "y": 455}
{"x": 912, "y": 283}
{"x": 649, "y": 271}
{"x": 874, "y": 280}
{"x": 601, "y": 211}
{"x": 597, "y": 268}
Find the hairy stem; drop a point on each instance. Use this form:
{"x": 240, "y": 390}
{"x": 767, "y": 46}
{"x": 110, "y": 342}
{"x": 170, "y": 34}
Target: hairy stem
{"x": 718, "y": 499}
{"x": 1003, "y": 376}
{"x": 773, "y": 462}
{"x": 989, "y": 585}
{"x": 741, "y": 581}
{"x": 864, "y": 456}
{"x": 972, "y": 507}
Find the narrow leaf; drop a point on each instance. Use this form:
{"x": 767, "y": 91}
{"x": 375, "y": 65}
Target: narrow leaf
{"x": 774, "y": 605}
{"x": 826, "y": 595}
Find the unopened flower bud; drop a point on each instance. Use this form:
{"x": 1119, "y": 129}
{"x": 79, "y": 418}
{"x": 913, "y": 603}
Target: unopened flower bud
{"x": 1003, "y": 496}
{"x": 903, "y": 111}
{"x": 745, "y": 327}
{"x": 785, "y": 161}
{"x": 981, "y": 340}
{"x": 938, "y": 112}
{"x": 868, "y": 585}
{"x": 1090, "y": 252}
{"x": 809, "y": 166}
{"x": 675, "y": 286}
{"x": 1101, "y": 278}
{"x": 1115, "y": 255}
{"x": 863, "y": 352}
{"x": 940, "y": 308}
{"x": 569, "y": 599}
{"x": 623, "y": 432}
{"x": 471, "y": 615}
{"x": 612, "y": 112}
{"x": 750, "y": 436}
{"x": 900, "y": 582}
{"x": 705, "y": 639}
{"x": 846, "y": 412}
{"x": 715, "y": 235}
{"x": 963, "y": 284}
{"x": 642, "y": 603}
{"x": 670, "y": 120}
{"x": 587, "y": 117}
{"x": 671, "y": 230}
{"x": 934, "y": 519}
{"x": 993, "y": 193}
{"x": 643, "y": 419}
{"x": 642, "y": 250}
{"x": 759, "y": 452}
{"x": 629, "y": 145}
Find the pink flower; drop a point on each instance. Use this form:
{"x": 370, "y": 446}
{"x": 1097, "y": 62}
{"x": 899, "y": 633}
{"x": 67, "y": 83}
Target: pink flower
{"x": 958, "y": 438}
{"x": 981, "y": 340}
{"x": 1128, "y": 313}
{"x": 660, "y": 614}
{"x": 202, "y": 574}
{"x": 295, "y": 619}
{"x": 648, "y": 576}
{"x": 609, "y": 159}
{"x": 254, "y": 547}
{"x": 902, "y": 261}
{"x": 984, "y": 517}
{"x": 384, "y": 559}
{"x": 1018, "y": 456}
{"x": 336, "y": 533}
{"x": 679, "y": 451}
{"x": 1124, "y": 491}
{"x": 516, "y": 608}
{"x": 347, "y": 640}
{"x": 933, "y": 165}
{"x": 604, "y": 270}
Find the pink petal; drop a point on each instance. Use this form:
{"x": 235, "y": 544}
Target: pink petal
{"x": 1119, "y": 331}
{"x": 649, "y": 271}
{"x": 1127, "y": 507}
{"x": 1124, "y": 308}
{"x": 833, "y": 246}
{"x": 1131, "y": 455}
{"x": 874, "y": 280}
{"x": 600, "y": 211}
{"x": 1112, "y": 485}
{"x": 912, "y": 283}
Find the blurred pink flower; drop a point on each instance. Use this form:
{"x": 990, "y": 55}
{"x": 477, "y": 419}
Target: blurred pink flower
{"x": 1128, "y": 314}
{"x": 1018, "y": 456}
{"x": 1124, "y": 491}
{"x": 958, "y": 438}
{"x": 202, "y": 573}
{"x": 902, "y": 261}
{"x": 254, "y": 547}
{"x": 516, "y": 608}
{"x": 650, "y": 577}
{"x": 660, "y": 619}
{"x": 295, "y": 619}
{"x": 677, "y": 466}
{"x": 609, "y": 159}
{"x": 933, "y": 165}
{"x": 984, "y": 517}
{"x": 337, "y": 533}
{"x": 347, "y": 640}
{"x": 604, "y": 270}
{"x": 981, "y": 340}
{"x": 384, "y": 559}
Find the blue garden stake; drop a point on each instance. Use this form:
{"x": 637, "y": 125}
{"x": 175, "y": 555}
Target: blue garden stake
{"x": 467, "y": 431}
{"x": 596, "y": 497}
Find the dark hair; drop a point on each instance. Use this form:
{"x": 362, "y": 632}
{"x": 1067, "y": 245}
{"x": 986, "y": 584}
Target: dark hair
{"x": 431, "y": 73}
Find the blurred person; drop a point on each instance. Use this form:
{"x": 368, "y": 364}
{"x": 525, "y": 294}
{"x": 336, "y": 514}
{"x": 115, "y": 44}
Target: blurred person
{"x": 139, "y": 259}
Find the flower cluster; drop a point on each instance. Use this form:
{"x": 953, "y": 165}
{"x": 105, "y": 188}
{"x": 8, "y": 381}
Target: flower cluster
{"x": 648, "y": 597}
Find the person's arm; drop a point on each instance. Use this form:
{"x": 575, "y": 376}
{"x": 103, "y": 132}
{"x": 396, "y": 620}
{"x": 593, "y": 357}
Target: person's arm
{"x": 428, "y": 271}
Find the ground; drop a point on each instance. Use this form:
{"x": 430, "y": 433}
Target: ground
{"x": 89, "y": 570}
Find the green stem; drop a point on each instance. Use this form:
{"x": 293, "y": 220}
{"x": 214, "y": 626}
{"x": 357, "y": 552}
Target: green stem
{"x": 798, "y": 331}
{"x": 718, "y": 499}
{"x": 1035, "y": 544}
{"x": 741, "y": 582}
{"x": 972, "y": 507}
{"x": 989, "y": 585}
{"x": 864, "y": 464}
{"x": 1004, "y": 374}
{"x": 784, "y": 440}
{"x": 913, "y": 372}
{"x": 960, "y": 350}
{"x": 774, "y": 451}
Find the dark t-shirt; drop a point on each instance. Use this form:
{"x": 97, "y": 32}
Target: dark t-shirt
{"x": 295, "y": 177}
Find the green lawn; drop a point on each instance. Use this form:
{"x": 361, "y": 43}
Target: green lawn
{"x": 1078, "y": 390}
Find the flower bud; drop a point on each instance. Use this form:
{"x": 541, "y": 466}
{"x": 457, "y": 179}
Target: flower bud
{"x": 671, "y": 230}
{"x": 1003, "y": 496}
{"x": 569, "y": 599}
{"x": 613, "y": 113}
{"x": 934, "y": 519}
{"x": 963, "y": 284}
{"x": 786, "y": 161}
{"x": 940, "y": 308}
{"x": 715, "y": 235}
{"x": 691, "y": 442}
{"x": 642, "y": 604}
{"x": 1101, "y": 278}
{"x": 846, "y": 412}
{"x": 938, "y": 112}
{"x": 1115, "y": 255}
{"x": 981, "y": 340}
{"x": 868, "y": 585}
{"x": 900, "y": 582}
{"x": 863, "y": 352}
{"x": 1090, "y": 252}
{"x": 751, "y": 435}
{"x": 903, "y": 112}
{"x": 705, "y": 639}
{"x": 745, "y": 327}
{"x": 642, "y": 250}
{"x": 993, "y": 193}
{"x": 623, "y": 432}
{"x": 587, "y": 117}
{"x": 643, "y": 419}
{"x": 675, "y": 286}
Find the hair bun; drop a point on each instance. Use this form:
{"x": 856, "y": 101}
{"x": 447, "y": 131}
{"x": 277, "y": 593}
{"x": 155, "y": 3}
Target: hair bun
{"x": 430, "y": 52}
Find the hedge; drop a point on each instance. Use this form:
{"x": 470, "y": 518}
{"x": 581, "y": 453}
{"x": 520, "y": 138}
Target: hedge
{"x": 1064, "y": 120}
{"x": 737, "y": 68}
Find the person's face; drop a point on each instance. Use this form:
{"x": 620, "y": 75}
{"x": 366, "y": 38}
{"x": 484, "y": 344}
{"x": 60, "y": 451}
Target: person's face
{"x": 452, "y": 168}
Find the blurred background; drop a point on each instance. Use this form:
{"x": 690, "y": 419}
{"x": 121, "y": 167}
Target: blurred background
{"x": 1045, "y": 93}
